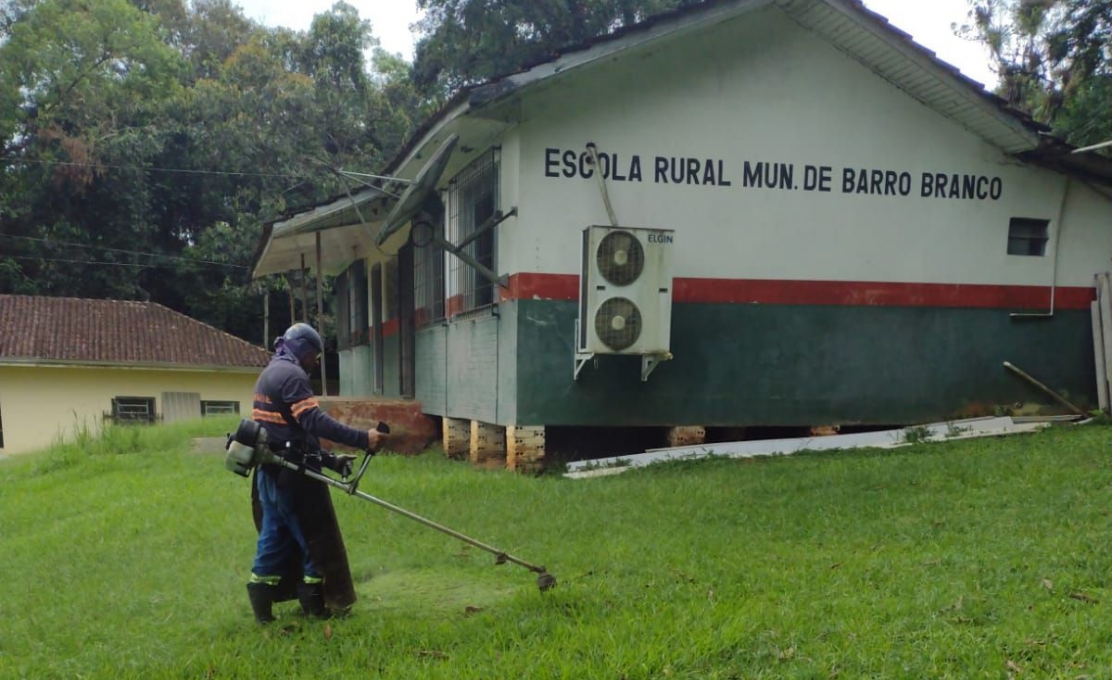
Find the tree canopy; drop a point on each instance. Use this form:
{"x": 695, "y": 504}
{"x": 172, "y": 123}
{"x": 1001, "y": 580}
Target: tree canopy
{"x": 144, "y": 142}
{"x": 1054, "y": 60}
{"x": 468, "y": 41}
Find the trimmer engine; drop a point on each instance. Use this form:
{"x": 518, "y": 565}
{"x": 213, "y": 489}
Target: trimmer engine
{"x": 247, "y": 448}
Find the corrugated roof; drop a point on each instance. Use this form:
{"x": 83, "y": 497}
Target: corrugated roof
{"x": 82, "y": 331}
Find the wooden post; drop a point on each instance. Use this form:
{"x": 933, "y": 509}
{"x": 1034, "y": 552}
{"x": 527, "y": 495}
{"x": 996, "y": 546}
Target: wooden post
{"x": 266, "y": 317}
{"x": 289, "y": 294}
{"x": 304, "y": 291}
{"x": 320, "y": 323}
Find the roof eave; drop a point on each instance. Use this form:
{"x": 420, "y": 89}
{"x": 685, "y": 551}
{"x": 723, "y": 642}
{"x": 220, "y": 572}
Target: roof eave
{"x": 34, "y": 362}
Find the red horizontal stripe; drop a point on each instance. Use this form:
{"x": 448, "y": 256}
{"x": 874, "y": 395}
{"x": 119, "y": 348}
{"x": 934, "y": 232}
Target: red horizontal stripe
{"x": 839, "y": 293}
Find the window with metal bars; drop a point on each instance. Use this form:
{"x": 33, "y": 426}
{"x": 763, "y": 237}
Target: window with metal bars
{"x": 472, "y": 200}
{"x": 219, "y": 408}
{"x": 132, "y": 410}
{"x": 428, "y": 281}
{"x": 351, "y": 306}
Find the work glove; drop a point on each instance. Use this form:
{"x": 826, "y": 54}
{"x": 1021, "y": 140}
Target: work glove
{"x": 377, "y": 437}
{"x": 342, "y": 464}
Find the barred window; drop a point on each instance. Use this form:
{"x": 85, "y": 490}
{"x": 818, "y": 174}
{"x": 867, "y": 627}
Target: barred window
{"x": 219, "y": 408}
{"x": 428, "y": 281}
{"x": 472, "y": 200}
{"x": 131, "y": 410}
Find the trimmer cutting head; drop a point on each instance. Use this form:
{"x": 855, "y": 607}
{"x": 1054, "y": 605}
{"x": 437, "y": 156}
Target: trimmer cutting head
{"x": 546, "y": 581}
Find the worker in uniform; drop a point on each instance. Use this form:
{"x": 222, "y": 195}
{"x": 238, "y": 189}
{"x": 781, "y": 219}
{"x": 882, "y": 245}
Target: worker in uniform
{"x": 300, "y": 551}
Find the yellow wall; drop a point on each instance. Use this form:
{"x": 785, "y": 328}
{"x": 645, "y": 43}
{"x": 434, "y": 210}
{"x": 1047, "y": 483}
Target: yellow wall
{"x": 37, "y": 403}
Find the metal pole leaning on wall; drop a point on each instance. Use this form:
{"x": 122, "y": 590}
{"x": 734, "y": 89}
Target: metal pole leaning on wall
{"x": 1018, "y": 371}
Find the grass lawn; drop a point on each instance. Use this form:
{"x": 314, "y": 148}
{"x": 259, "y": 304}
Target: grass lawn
{"x": 989, "y": 558}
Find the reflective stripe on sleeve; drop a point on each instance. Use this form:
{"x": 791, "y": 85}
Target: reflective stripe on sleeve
{"x": 267, "y": 417}
{"x": 303, "y": 406}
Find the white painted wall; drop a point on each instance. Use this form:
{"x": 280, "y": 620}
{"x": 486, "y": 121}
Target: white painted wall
{"x": 761, "y": 88}
{"x": 511, "y": 244}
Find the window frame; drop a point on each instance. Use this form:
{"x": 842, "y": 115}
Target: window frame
{"x": 478, "y": 182}
{"x": 1028, "y": 236}
{"x": 429, "y": 281}
{"x": 210, "y": 402}
{"x": 148, "y": 402}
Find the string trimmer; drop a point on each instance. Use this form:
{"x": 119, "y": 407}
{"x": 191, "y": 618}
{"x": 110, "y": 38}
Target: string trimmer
{"x": 249, "y": 448}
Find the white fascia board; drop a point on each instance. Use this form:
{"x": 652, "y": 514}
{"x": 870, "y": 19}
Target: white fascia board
{"x": 680, "y": 25}
{"x": 932, "y": 65}
{"x": 20, "y": 362}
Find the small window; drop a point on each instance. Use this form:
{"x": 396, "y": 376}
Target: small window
{"x": 133, "y": 410}
{"x": 1027, "y": 236}
{"x": 219, "y": 408}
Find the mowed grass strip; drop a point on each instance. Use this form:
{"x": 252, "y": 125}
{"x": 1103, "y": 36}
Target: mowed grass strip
{"x": 126, "y": 557}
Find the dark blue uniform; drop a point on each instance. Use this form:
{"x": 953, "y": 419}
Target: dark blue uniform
{"x": 287, "y": 409}
{"x": 297, "y": 526}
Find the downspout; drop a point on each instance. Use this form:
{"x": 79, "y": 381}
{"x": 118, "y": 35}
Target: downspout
{"x": 1059, "y": 225}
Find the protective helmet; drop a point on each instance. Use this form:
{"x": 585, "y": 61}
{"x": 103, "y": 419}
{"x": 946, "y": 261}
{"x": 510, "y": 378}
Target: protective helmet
{"x": 303, "y": 340}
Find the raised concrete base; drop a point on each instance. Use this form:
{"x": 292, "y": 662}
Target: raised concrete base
{"x": 488, "y": 442}
{"x": 524, "y": 448}
{"x": 411, "y": 431}
{"x": 455, "y": 437}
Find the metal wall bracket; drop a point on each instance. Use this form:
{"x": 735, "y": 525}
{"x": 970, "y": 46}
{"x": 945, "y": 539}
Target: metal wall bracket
{"x": 581, "y": 360}
{"x": 649, "y": 362}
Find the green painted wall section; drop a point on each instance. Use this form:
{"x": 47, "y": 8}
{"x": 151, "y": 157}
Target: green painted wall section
{"x": 347, "y": 372}
{"x": 738, "y": 365}
{"x": 472, "y": 370}
{"x": 391, "y": 370}
{"x": 431, "y": 376}
{"x": 363, "y": 378}
{"x": 482, "y": 381}
{"x": 507, "y": 366}
{"x": 357, "y": 377}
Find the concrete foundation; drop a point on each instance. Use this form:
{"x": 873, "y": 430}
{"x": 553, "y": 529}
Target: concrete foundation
{"x": 488, "y": 443}
{"x": 455, "y": 437}
{"x": 525, "y": 448}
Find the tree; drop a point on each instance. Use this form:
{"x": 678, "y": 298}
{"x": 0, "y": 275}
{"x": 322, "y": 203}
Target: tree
{"x": 143, "y": 143}
{"x": 469, "y": 41}
{"x": 1053, "y": 60}
{"x": 77, "y": 80}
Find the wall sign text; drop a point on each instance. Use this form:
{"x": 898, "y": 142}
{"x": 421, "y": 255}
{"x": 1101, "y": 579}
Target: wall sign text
{"x": 717, "y": 172}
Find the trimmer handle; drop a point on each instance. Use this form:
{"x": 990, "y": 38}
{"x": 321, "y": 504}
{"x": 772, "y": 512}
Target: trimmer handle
{"x": 367, "y": 455}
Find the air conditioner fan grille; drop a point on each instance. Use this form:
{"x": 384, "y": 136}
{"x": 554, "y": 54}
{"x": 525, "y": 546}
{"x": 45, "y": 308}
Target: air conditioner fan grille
{"x": 620, "y": 258}
{"x": 618, "y": 323}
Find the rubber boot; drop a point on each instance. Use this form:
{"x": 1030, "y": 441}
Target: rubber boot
{"x": 262, "y": 601}
{"x": 311, "y": 596}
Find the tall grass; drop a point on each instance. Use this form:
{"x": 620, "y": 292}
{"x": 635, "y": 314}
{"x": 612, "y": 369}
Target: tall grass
{"x": 974, "y": 559}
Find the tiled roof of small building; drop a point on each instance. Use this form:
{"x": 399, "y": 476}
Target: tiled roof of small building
{"x": 116, "y": 332}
